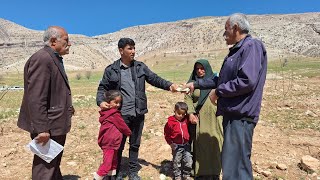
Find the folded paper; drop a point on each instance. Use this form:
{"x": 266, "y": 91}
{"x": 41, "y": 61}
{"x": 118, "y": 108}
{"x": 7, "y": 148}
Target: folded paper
{"x": 47, "y": 152}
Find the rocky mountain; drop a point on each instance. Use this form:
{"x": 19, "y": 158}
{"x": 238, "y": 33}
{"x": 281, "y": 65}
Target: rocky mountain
{"x": 297, "y": 34}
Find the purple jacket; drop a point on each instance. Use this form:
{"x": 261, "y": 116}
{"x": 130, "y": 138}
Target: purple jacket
{"x": 241, "y": 80}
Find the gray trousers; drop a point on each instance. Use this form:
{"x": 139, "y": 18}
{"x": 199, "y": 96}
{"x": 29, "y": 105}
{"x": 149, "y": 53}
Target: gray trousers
{"x": 182, "y": 161}
{"x": 236, "y": 150}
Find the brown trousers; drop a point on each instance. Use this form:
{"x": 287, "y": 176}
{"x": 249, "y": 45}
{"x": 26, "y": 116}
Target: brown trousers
{"x": 41, "y": 170}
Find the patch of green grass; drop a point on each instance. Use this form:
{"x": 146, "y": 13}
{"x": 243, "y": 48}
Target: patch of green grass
{"x": 178, "y": 68}
{"x": 84, "y": 103}
{"x": 278, "y": 177}
{"x": 174, "y": 68}
{"x": 303, "y": 66}
{"x": 12, "y": 79}
{"x": 81, "y": 126}
{"x": 146, "y": 135}
{"x": 10, "y": 103}
{"x": 8, "y": 114}
{"x": 257, "y": 178}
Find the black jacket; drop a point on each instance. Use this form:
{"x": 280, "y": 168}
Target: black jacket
{"x": 111, "y": 80}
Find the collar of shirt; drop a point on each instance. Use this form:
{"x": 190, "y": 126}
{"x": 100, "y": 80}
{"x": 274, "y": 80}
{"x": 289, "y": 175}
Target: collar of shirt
{"x": 58, "y": 55}
{"x": 238, "y": 44}
{"x": 55, "y": 52}
{"x": 124, "y": 66}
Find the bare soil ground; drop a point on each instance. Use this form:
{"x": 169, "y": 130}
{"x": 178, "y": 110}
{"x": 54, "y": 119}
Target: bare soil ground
{"x": 288, "y": 129}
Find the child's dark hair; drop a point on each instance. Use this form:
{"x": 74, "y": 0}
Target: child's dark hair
{"x": 181, "y": 106}
{"x": 111, "y": 95}
{"x": 125, "y": 41}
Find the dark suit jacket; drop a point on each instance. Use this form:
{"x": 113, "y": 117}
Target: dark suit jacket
{"x": 46, "y": 104}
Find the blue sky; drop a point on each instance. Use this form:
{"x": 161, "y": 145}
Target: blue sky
{"x": 96, "y": 17}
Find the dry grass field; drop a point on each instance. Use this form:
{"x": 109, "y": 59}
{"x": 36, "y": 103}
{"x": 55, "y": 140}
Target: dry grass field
{"x": 289, "y": 126}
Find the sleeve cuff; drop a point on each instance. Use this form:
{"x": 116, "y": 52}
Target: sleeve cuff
{"x": 196, "y": 84}
{"x": 170, "y": 83}
{"x": 218, "y": 93}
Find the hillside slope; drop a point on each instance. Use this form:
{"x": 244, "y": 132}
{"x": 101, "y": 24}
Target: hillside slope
{"x": 297, "y": 34}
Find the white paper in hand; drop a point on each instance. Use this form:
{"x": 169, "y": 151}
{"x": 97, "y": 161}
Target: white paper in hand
{"x": 180, "y": 89}
{"x": 47, "y": 152}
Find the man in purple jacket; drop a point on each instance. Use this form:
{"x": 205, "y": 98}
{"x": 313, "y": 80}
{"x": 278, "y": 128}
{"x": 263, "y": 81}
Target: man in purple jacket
{"x": 238, "y": 93}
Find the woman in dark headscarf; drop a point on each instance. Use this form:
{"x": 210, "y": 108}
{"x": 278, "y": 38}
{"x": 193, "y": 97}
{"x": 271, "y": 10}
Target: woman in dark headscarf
{"x": 207, "y": 134}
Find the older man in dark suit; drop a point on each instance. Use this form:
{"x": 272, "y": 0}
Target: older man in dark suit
{"x": 46, "y": 108}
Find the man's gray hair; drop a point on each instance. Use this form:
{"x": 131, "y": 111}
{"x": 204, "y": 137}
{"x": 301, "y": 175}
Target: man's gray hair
{"x": 51, "y": 32}
{"x": 241, "y": 20}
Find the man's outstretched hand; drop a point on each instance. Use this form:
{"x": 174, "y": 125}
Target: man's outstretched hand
{"x": 104, "y": 106}
{"x": 173, "y": 87}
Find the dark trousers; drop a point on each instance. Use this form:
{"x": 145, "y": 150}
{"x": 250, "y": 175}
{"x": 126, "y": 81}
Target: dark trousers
{"x": 41, "y": 170}
{"x": 136, "y": 126}
{"x": 236, "y": 150}
{"x": 182, "y": 161}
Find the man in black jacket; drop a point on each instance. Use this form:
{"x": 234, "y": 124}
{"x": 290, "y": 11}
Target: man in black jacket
{"x": 129, "y": 76}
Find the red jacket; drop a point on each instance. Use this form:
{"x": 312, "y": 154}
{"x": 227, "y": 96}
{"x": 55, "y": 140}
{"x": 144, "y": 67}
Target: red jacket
{"x": 111, "y": 129}
{"x": 176, "y": 131}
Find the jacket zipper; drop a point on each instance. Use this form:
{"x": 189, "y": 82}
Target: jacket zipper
{"x": 181, "y": 132}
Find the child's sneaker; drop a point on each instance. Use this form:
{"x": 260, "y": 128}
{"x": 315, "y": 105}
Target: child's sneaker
{"x": 97, "y": 177}
{"x": 187, "y": 178}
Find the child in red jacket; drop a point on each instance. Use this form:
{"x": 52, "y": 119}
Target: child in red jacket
{"x": 177, "y": 136}
{"x": 110, "y": 135}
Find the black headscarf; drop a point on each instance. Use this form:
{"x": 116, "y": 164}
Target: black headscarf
{"x": 208, "y": 74}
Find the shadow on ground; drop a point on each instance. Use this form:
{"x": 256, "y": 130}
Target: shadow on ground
{"x": 164, "y": 168}
{"x": 71, "y": 177}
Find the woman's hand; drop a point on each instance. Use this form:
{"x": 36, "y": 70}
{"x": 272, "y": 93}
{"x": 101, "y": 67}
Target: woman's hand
{"x": 193, "y": 119}
{"x": 213, "y": 97}
{"x": 189, "y": 85}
